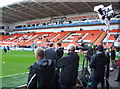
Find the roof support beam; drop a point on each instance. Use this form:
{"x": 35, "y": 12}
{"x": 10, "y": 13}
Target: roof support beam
{"x": 18, "y": 17}
{"x": 69, "y": 7}
{"x": 8, "y": 19}
{"x": 22, "y": 12}
{"x": 50, "y": 8}
{"x": 88, "y": 5}
{"x": 34, "y": 10}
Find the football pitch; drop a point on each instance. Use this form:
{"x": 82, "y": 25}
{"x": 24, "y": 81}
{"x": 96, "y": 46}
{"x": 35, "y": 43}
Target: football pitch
{"x": 15, "y": 67}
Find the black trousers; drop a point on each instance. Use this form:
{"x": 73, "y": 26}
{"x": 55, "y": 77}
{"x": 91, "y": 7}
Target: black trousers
{"x": 118, "y": 77}
{"x": 66, "y": 87}
{"x": 95, "y": 82}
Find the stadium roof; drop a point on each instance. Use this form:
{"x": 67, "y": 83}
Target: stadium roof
{"x": 29, "y": 10}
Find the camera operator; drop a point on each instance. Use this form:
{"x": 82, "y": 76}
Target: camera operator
{"x": 88, "y": 50}
{"x": 89, "y": 54}
{"x": 98, "y": 63}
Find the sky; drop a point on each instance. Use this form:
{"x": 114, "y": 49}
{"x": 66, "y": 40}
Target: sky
{"x": 7, "y": 2}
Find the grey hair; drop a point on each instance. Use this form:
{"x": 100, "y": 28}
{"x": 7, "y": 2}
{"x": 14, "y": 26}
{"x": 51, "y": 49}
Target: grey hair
{"x": 40, "y": 52}
{"x": 71, "y": 47}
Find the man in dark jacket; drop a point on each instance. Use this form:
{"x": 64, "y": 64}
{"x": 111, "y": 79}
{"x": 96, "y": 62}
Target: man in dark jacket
{"x": 42, "y": 72}
{"x": 118, "y": 76}
{"x": 69, "y": 71}
{"x": 98, "y": 63}
{"x": 5, "y": 49}
{"x": 113, "y": 54}
{"x": 59, "y": 51}
{"x": 108, "y": 64}
{"x": 51, "y": 53}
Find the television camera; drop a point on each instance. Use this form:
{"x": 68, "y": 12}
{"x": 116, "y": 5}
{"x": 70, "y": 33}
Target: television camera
{"x": 84, "y": 74}
{"x": 86, "y": 48}
{"x": 88, "y": 51}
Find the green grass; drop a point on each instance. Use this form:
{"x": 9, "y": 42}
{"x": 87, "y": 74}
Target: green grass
{"x": 117, "y": 57}
{"x": 18, "y": 62}
{"x": 14, "y": 81}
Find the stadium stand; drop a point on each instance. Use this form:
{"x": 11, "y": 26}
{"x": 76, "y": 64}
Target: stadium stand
{"x": 95, "y": 37}
{"x": 4, "y": 37}
{"x": 101, "y": 37}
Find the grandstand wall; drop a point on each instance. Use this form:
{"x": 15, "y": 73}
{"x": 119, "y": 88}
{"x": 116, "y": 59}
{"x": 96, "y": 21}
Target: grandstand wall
{"x": 97, "y": 27}
{"x": 76, "y": 20}
{"x": 44, "y": 20}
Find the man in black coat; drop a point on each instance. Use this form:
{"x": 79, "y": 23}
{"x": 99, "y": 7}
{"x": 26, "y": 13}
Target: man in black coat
{"x": 113, "y": 54}
{"x": 108, "y": 64}
{"x": 5, "y": 49}
{"x": 51, "y": 53}
{"x": 69, "y": 71}
{"x": 42, "y": 72}
{"x": 59, "y": 51}
{"x": 98, "y": 63}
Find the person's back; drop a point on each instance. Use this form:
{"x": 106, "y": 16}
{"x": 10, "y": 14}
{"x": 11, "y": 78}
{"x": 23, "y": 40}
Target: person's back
{"x": 98, "y": 63}
{"x": 42, "y": 74}
{"x": 5, "y": 50}
{"x": 113, "y": 54}
{"x": 50, "y": 53}
{"x": 108, "y": 64}
{"x": 59, "y": 51}
{"x": 69, "y": 71}
{"x": 59, "y": 54}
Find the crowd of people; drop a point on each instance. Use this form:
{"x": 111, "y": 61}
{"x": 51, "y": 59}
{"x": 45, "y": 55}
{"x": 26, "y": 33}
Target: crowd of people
{"x": 52, "y": 70}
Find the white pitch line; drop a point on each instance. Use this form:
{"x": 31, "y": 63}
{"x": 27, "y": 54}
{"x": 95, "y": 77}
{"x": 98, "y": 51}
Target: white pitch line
{"x": 13, "y": 75}
{"x": 20, "y": 86}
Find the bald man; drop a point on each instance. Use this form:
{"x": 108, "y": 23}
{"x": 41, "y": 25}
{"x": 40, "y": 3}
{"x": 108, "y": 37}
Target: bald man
{"x": 42, "y": 72}
{"x": 69, "y": 68}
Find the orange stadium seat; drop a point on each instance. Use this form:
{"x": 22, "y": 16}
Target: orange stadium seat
{"x": 67, "y": 37}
